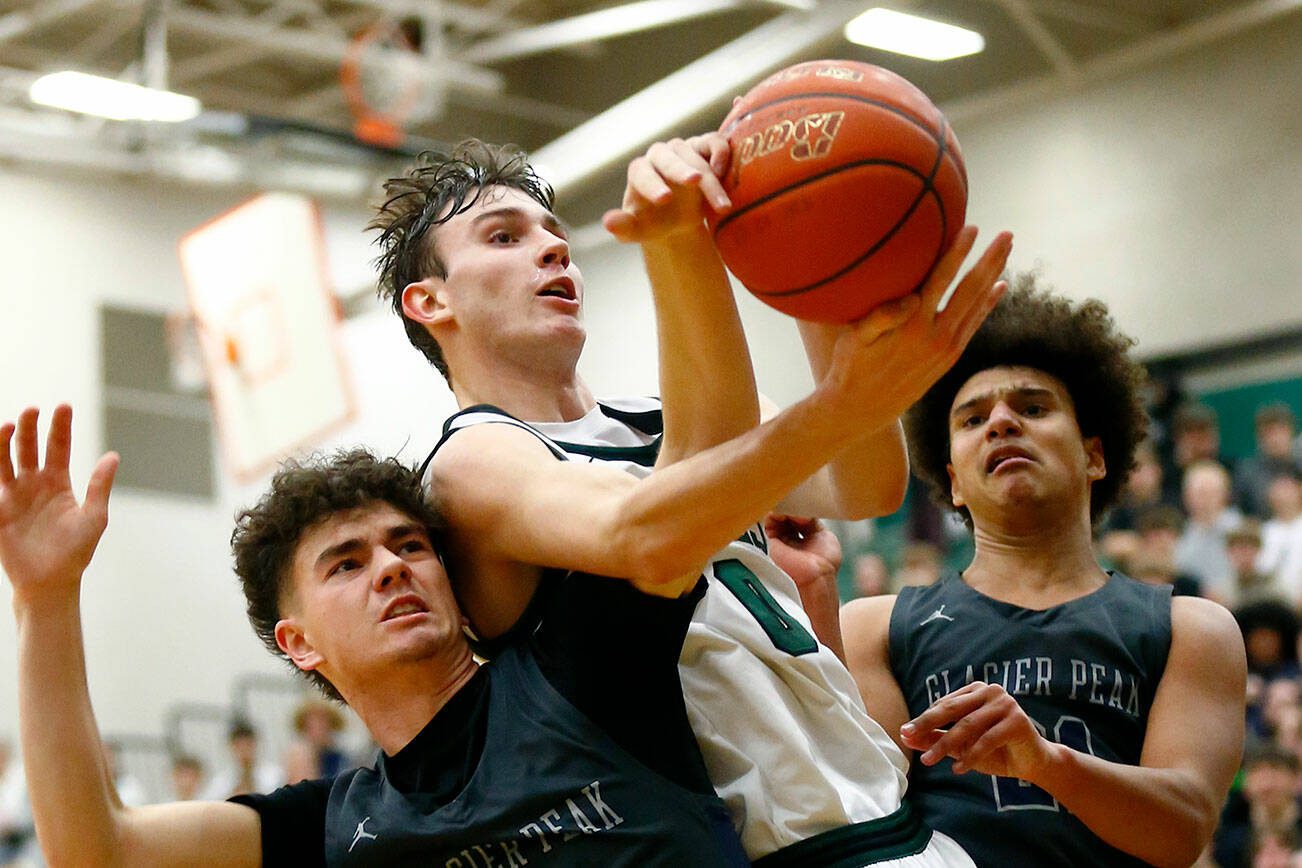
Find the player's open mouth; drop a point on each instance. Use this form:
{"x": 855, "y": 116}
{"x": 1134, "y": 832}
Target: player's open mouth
{"x": 561, "y": 287}
{"x": 1006, "y": 454}
{"x": 407, "y": 604}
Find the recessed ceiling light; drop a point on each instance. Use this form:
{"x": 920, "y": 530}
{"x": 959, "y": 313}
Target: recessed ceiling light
{"x": 909, "y": 34}
{"x": 110, "y": 98}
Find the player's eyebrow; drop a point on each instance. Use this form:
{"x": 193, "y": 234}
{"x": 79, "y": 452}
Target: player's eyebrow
{"x": 355, "y": 543}
{"x": 984, "y": 397}
{"x": 549, "y": 220}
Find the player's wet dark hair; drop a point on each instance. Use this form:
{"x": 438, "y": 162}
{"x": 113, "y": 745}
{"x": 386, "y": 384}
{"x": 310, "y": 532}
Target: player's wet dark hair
{"x": 1077, "y": 343}
{"x": 302, "y": 495}
{"x": 436, "y": 189}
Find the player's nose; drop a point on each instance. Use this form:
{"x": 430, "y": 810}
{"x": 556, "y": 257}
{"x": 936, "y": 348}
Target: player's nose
{"x": 554, "y": 250}
{"x": 389, "y": 568}
{"x": 1002, "y": 422}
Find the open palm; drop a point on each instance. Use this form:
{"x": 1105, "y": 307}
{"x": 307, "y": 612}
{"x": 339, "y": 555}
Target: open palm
{"x": 46, "y": 537}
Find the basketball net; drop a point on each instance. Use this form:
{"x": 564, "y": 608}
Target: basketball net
{"x": 382, "y": 80}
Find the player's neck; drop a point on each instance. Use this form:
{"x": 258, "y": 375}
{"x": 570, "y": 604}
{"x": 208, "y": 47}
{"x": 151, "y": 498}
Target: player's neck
{"x": 535, "y": 394}
{"x": 396, "y": 711}
{"x": 1039, "y": 566}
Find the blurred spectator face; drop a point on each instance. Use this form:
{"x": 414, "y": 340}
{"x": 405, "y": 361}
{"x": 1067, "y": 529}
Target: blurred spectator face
{"x": 244, "y": 749}
{"x": 1280, "y": 700}
{"x": 1198, "y": 441}
{"x": 1275, "y": 438}
{"x": 1152, "y": 569}
{"x": 319, "y": 727}
{"x": 1285, "y": 497}
{"x": 187, "y": 775}
{"x": 1121, "y": 547}
{"x": 1243, "y": 553}
{"x": 871, "y": 577}
{"x": 1265, "y": 647}
{"x": 1270, "y": 785}
{"x": 1206, "y": 491}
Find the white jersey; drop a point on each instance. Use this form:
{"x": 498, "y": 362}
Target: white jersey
{"x": 783, "y": 731}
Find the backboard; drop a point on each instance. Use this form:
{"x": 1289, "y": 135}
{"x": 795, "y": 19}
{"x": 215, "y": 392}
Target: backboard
{"x": 267, "y": 324}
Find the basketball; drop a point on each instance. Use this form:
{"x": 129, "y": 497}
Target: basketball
{"x": 847, "y": 185}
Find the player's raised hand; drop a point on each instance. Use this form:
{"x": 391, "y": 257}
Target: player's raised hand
{"x": 47, "y": 537}
{"x": 890, "y": 358}
{"x": 670, "y": 186}
{"x": 982, "y": 728}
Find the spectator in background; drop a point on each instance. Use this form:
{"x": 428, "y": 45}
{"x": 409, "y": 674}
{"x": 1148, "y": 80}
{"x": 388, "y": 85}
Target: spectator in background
{"x": 1143, "y": 491}
{"x": 1262, "y": 820}
{"x": 1281, "y": 535}
{"x": 315, "y": 753}
{"x": 1195, "y": 437}
{"x": 245, "y": 774}
{"x": 1153, "y": 569}
{"x": 1247, "y": 583}
{"x": 1200, "y": 551}
{"x": 871, "y": 575}
{"x": 187, "y": 777}
{"x": 1276, "y": 426}
{"x": 1159, "y": 531}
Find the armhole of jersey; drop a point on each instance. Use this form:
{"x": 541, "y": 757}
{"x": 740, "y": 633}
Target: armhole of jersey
{"x": 897, "y": 637}
{"x": 457, "y": 422}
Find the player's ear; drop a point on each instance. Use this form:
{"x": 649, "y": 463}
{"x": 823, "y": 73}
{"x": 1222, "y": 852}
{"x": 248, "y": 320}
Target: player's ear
{"x": 1095, "y": 466}
{"x": 426, "y": 301}
{"x": 955, "y": 496}
{"x": 291, "y": 639}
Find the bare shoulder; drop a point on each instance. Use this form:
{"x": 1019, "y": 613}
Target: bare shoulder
{"x": 1205, "y": 636}
{"x": 865, "y": 623}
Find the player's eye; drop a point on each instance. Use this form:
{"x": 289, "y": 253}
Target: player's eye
{"x": 413, "y": 545}
{"x": 344, "y": 566}
{"x": 972, "y": 421}
{"x": 501, "y": 236}
{"x": 1034, "y": 410}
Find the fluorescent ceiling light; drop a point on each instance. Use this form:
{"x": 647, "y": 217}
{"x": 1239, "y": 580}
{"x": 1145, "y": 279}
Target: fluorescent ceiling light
{"x": 908, "y": 34}
{"x": 110, "y": 98}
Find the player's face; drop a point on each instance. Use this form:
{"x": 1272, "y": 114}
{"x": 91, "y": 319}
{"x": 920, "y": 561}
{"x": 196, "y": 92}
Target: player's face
{"x": 508, "y": 274}
{"x": 368, "y": 595}
{"x": 1016, "y": 448}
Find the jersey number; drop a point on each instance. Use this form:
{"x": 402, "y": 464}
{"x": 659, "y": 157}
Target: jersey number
{"x": 784, "y": 631}
{"x": 1012, "y": 794}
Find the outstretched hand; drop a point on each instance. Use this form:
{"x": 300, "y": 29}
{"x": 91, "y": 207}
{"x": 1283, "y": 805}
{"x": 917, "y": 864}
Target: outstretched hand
{"x": 670, "y": 187}
{"x": 46, "y": 537}
{"x": 890, "y": 358}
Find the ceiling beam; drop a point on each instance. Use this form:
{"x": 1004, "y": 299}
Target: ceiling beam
{"x": 473, "y": 18}
{"x": 593, "y": 26}
{"x": 23, "y": 21}
{"x": 617, "y": 133}
{"x": 1092, "y": 16}
{"x": 237, "y": 54}
{"x": 1040, "y": 36}
{"x": 323, "y": 47}
{"x": 1144, "y": 52}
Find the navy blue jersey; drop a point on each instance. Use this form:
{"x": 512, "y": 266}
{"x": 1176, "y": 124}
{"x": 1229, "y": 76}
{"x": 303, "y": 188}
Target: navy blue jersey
{"x": 1084, "y": 671}
{"x": 536, "y": 760}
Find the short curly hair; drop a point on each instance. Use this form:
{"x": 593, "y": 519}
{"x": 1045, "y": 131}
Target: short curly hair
{"x": 301, "y": 496}
{"x": 1078, "y": 344}
{"x": 433, "y": 191}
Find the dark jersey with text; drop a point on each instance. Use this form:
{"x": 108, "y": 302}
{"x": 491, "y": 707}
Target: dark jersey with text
{"x": 1084, "y": 671}
{"x": 514, "y": 771}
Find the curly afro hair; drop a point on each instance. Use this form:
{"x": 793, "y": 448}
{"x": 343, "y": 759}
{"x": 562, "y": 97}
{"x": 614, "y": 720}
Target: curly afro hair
{"x": 1077, "y": 343}
{"x": 436, "y": 189}
{"x": 302, "y": 495}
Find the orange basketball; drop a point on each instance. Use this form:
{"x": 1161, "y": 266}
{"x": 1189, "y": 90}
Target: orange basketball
{"x": 847, "y": 185}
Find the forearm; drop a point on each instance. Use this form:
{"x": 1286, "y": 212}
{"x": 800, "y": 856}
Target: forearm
{"x": 707, "y": 384}
{"x": 1179, "y": 814}
{"x": 869, "y": 477}
{"x": 73, "y": 802}
{"x": 678, "y": 517}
